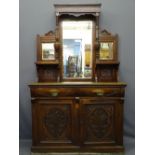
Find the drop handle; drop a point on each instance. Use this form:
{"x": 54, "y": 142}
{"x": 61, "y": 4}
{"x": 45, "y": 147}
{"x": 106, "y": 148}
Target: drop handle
{"x": 99, "y": 93}
{"x": 54, "y": 93}
{"x": 77, "y": 99}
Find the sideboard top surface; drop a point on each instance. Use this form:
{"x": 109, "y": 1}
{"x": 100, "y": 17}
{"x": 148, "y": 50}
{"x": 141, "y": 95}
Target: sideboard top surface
{"x": 78, "y": 84}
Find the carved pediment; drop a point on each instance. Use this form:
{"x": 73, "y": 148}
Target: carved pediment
{"x": 77, "y": 8}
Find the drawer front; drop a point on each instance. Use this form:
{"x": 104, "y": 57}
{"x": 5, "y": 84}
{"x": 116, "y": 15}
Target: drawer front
{"x": 73, "y": 92}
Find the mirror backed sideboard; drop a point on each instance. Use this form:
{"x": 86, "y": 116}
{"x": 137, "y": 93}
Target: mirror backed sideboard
{"x": 77, "y": 102}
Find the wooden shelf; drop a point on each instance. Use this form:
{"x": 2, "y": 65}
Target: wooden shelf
{"x": 105, "y": 62}
{"x": 56, "y": 62}
{"x": 78, "y": 83}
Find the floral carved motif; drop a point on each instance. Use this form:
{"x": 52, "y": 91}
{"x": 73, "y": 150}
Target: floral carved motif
{"x": 56, "y": 122}
{"x": 100, "y": 121}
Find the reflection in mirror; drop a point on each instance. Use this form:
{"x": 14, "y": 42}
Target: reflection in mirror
{"x": 77, "y": 49}
{"x": 48, "y": 52}
{"x": 106, "y": 50}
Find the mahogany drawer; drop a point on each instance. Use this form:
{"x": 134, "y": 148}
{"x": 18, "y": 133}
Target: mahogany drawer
{"x": 74, "y": 92}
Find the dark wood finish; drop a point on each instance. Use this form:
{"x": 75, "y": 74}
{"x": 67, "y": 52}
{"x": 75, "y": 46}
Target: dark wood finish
{"x": 48, "y": 70}
{"x": 47, "y": 38}
{"x": 47, "y": 73}
{"x": 107, "y": 69}
{"x": 55, "y": 62}
{"x": 107, "y": 72}
{"x": 72, "y": 91}
{"x": 83, "y": 116}
{"x": 77, "y": 8}
{"x": 105, "y": 36}
{"x": 99, "y": 122}
{"x": 77, "y": 117}
{"x": 107, "y": 62}
{"x": 54, "y": 122}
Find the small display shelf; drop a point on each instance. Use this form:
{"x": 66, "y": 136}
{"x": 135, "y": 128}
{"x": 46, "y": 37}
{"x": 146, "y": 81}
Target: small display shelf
{"x": 107, "y": 46}
{"x": 99, "y": 62}
{"x": 56, "y": 62}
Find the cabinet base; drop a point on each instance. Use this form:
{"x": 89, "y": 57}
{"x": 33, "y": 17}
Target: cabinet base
{"x": 103, "y": 149}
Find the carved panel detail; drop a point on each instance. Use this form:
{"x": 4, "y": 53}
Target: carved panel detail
{"x": 56, "y": 121}
{"x": 47, "y": 73}
{"x": 106, "y": 73}
{"x": 100, "y": 121}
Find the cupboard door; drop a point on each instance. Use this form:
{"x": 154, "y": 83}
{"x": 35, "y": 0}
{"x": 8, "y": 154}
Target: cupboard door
{"x": 53, "y": 122}
{"x": 101, "y": 122}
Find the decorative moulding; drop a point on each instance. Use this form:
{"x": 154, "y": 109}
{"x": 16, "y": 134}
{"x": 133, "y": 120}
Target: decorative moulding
{"x": 105, "y": 32}
{"x": 77, "y": 8}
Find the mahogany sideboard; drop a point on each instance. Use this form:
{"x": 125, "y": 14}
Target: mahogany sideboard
{"x": 77, "y": 102}
{"x": 77, "y": 116}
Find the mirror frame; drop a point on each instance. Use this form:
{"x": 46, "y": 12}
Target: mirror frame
{"x": 105, "y": 37}
{"x": 47, "y": 38}
{"x": 77, "y": 12}
{"x": 84, "y": 17}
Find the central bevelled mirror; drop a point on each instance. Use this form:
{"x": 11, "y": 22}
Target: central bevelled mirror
{"x": 77, "y": 49}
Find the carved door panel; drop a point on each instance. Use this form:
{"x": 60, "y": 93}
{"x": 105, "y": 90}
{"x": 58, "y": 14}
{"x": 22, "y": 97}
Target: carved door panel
{"x": 54, "y": 122}
{"x": 101, "y": 121}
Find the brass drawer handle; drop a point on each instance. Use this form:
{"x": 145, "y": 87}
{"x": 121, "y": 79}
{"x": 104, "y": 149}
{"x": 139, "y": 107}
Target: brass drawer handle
{"x": 77, "y": 98}
{"x": 99, "y": 93}
{"x": 54, "y": 93}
